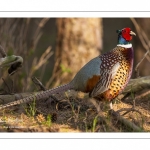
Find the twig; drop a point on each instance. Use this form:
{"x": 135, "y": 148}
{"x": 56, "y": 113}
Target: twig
{"x": 43, "y": 59}
{"x": 37, "y": 64}
{"x": 144, "y": 40}
{"x": 125, "y": 122}
{"x": 137, "y": 66}
{"x": 101, "y": 115}
{"x": 2, "y": 51}
{"x": 128, "y": 110}
{"x": 143, "y": 95}
{"x": 39, "y": 83}
{"x": 138, "y": 98}
{"x": 9, "y": 90}
{"x": 55, "y": 73}
{"x": 37, "y": 33}
{"x": 132, "y": 109}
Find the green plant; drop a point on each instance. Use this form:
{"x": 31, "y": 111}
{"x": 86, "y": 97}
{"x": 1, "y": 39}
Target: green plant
{"x": 94, "y": 123}
{"x": 48, "y": 120}
{"x": 64, "y": 69}
{"x": 31, "y": 110}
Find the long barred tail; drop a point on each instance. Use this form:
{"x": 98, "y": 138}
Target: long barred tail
{"x": 38, "y": 96}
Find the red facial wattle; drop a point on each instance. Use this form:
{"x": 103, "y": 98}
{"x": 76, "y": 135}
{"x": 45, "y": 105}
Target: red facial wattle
{"x": 126, "y": 34}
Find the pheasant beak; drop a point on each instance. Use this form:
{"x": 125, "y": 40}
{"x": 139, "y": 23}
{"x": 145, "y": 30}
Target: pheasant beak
{"x": 132, "y": 33}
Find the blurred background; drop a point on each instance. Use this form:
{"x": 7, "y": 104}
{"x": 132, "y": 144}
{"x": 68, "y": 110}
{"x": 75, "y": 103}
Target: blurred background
{"x": 54, "y": 49}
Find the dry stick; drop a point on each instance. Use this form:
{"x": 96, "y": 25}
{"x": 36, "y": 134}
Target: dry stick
{"x": 37, "y": 64}
{"x": 143, "y": 95}
{"x": 9, "y": 90}
{"x": 128, "y": 110}
{"x": 144, "y": 40}
{"x": 140, "y": 97}
{"x": 42, "y": 87}
{"x": 101, "y": 115}
{"x": 136, "y": 68}
{"x": 39, "y": 83}
{"x": 54, "y": 73}
{"x": 118, "y": 117}
{"x": 76, "y": 115}
{"x": 125, "y": 122}
{"x": 2, "y": 51}
{"x": 38, "y": 32}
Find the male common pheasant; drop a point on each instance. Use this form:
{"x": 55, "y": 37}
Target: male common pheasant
{"x": 104, "y": 77}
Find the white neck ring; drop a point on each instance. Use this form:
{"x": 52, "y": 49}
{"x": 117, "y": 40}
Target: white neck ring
{"x": 125, "y": 45}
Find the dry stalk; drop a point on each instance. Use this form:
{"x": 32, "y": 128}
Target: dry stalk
{"x": 54, "y": 75}
{"x": 43, "y": 59}
{"x": 38, "y": 83}
{"x": 2, "y": 51}
{"x": 144, "y": 40}
{"x": 125, "y": 122}
{"x": 17, "y": 39}
{"x": 38, "y": 33}
{"x": 101, "y": 115}
{"x": 38, "y": 63}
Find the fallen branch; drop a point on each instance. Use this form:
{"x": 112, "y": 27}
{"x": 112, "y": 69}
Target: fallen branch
{"x": 138, "y": 84}
{"x": 135, "y": 85}
{"x": 4, "y": 99}
{"x": 125, "y": 122}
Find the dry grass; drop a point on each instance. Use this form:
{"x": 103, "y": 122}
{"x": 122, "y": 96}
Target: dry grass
{"x": 74, "y": 114}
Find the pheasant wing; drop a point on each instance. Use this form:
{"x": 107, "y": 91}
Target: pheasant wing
{"x": 106, "y": 77}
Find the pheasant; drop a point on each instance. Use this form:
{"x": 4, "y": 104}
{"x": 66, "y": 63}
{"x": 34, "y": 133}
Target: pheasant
{"x": 104, "y": 77}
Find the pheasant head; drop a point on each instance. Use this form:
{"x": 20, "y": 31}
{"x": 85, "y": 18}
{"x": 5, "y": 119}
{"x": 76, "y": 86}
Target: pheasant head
{"x": 125, "y": 36}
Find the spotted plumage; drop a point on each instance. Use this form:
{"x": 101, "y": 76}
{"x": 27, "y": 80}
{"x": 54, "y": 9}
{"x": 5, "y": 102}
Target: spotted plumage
{"x": 104, "y": 77}
{"x": 116, "y": 68}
